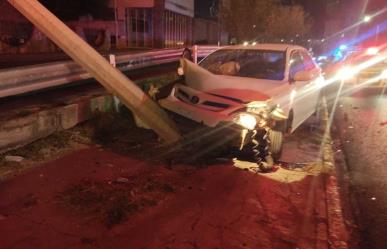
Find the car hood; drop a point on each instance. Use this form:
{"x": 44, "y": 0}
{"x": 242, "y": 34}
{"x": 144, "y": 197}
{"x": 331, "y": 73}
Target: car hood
{"x": 239, "y": 95}
{"x": 233, "y": 87}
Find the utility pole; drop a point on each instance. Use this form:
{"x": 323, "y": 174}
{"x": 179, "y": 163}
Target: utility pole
{"x": 111, "y": 78}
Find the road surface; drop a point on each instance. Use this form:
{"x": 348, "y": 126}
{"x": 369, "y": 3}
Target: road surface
{"x": 360, "y": 120}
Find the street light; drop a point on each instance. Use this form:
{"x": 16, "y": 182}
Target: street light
{"x": 346, "y": 73}
{"x": 367, "y": 18}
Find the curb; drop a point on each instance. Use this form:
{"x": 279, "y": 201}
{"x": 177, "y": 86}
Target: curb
{"x": 23, "y": 130}
{"x": 337, "y": 232}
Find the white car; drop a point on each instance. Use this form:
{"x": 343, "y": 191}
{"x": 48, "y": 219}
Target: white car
{"x": 260, "y": 90}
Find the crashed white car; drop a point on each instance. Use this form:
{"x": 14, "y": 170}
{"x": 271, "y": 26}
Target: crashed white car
{"x": 262, "y": 91}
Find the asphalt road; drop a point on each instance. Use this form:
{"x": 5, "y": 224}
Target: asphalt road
{"x": 359, "y": 119}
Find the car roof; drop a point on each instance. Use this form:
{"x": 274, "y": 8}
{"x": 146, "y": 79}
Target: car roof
{"x": 267, "y": 46}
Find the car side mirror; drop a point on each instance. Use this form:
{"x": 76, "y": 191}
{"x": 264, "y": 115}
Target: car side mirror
{"x": 303, "y": 76}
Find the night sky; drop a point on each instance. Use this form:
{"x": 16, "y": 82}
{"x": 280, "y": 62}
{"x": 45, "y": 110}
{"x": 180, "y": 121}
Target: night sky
{"x": 316, "y": 9}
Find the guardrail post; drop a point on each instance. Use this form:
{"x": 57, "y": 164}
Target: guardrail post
{"x": 117, "y": 102}
{"x": 112, "y": 60}
{"x": 111, "y": 78}
{"x": 195, "y": 54}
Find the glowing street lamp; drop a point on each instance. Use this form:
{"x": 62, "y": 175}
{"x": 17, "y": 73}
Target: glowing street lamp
{"x": 346, "y": 73}
{"x": 367, "y": 19}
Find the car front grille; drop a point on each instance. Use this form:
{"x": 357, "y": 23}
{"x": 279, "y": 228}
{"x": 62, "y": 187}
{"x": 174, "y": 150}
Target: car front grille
{"x": 216, "y": 104}
{"x": 185, "y": 97}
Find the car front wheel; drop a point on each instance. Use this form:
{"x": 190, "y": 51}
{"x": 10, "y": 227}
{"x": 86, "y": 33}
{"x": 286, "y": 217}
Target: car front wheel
{"x": 276, "y": 139}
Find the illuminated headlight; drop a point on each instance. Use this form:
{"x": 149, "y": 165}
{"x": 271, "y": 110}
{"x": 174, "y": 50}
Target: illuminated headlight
{"x": 384, "y": 75}
{"x": 247, "y": 121}
{"x": 372, "y": 51}
{"x": 346, "y": 73}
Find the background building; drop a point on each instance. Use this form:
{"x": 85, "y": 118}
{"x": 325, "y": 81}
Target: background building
{"x": 152, "y": 23}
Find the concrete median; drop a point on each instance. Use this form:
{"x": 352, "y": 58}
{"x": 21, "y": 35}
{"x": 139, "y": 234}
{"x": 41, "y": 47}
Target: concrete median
{"x": 26, "y": 128}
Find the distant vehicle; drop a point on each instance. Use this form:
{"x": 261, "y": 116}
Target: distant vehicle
{"x": 259, "y": 91}
{"x": 366, "y": 67}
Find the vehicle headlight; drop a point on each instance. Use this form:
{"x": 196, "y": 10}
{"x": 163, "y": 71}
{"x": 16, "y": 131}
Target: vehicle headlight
{"x": 346, "y": 73}
{"x": 384, "y": 75}
{"x": 247, "y": 121}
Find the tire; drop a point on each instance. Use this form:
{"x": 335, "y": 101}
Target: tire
{"x": 276, "y": 143}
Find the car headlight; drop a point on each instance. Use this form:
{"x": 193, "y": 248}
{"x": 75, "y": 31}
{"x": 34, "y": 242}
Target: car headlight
{"x": 346, "y": 73}
{"x": 247, "y": 121}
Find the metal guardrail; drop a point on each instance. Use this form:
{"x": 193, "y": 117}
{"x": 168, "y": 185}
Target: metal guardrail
{"x": 37, "y": 77}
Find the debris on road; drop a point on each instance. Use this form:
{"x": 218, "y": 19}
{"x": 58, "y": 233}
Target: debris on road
{"x": 345, "y": 117}
{"x": 122, "y": 180}
{"x": 17, "y": 159}
{"x": 288, "y": 165}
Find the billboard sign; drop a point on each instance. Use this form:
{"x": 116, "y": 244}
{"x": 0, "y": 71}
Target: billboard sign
{"x": 185, "y": 7}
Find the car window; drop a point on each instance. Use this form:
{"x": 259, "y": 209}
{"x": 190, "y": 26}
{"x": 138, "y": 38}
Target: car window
{"x": 296, "y": 64}
{"x": 308, "y": 61}
{"x": 252, "y": 63}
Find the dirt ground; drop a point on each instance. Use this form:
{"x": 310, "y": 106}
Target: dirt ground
{"x": 115, "y": 188}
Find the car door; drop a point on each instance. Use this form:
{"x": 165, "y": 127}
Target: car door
{"x": 312, "y": 88}
{"x": 302, "y": 97}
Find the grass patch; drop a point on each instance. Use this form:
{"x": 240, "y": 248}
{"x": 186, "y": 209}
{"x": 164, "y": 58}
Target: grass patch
{"x": 120, "y": 133}
{"x": 44, "y": 148}
{"x": 113, "y": 202}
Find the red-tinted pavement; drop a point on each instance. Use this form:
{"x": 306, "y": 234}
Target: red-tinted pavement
{"x": 216, "y": 207}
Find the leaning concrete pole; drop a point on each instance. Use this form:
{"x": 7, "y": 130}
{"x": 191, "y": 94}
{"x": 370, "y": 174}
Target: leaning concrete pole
{"x": 111, "y": 78}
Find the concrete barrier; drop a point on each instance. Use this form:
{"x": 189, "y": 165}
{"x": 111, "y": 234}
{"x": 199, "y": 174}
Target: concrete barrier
{"x": 22, "y": 130}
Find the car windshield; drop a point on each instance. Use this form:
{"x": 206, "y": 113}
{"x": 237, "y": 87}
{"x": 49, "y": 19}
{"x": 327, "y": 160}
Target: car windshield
{"x": 252, "y": 63}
